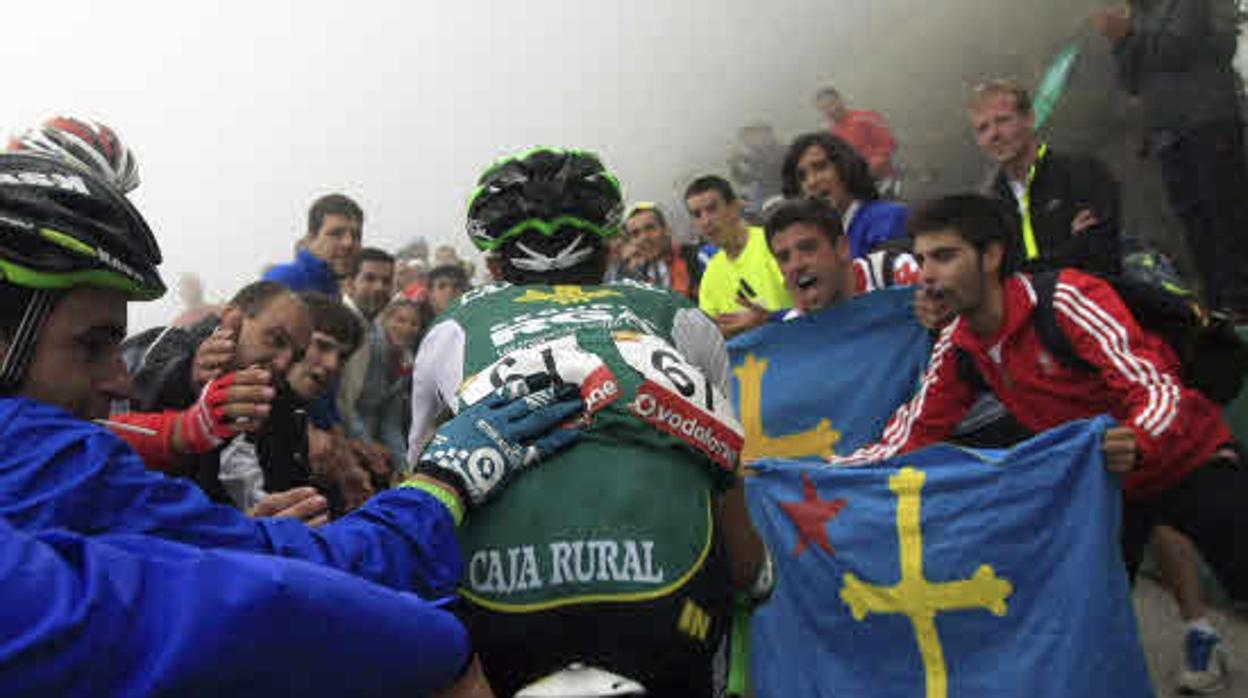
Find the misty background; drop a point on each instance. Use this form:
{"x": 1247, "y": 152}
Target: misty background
{"x": 241, "y": 113}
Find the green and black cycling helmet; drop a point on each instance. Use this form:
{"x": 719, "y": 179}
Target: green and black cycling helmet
{"x": 62, "y": 227}
{"x": 545, "y": 210}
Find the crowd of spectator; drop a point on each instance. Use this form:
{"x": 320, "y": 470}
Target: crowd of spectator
{"x": 314, "y": 359}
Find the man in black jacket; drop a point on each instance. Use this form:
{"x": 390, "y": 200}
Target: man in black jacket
{"x": 1175, "y": 55}
{"x": 262, "y": 331}
{"x": 1067, "y": 203}
{"x": 264, "y": 325}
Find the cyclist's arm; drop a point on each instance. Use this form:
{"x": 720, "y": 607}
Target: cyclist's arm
{"x": 699, "y": 340}
{"x": 134, "y": 615}
{"x": 436, "y": 375}
{"x": 746, "y": 550}
{"x": 89, "y": 481}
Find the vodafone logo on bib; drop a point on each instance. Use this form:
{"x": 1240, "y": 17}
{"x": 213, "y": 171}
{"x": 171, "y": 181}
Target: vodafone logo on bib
{"x": 677, "y": 417}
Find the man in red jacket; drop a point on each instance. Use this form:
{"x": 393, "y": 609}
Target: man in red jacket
{"x": 866, "y": 131}
{"x": 1180, "y": 461}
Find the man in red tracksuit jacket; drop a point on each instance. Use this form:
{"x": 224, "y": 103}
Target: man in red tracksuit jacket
{"x": 1180, "y": 460}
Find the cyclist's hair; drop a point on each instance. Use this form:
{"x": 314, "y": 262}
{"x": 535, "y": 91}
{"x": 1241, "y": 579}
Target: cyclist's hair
{"x": 253, "y": 298}
{"x": 331, "y": 317}
{"x": 1000, "y": 86}
{"x": 372, "y": 254}
{"x": 809, "y": 211}
{"x": 852, "y": 169}
{"x": 454, "y": 272}
{"x": 977, "y": 219}
{"x": 715, "y": 183}
{"x": 332, "y": 204}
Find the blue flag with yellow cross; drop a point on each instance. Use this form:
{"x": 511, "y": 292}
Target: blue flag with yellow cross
{"x": 947, "y": 572}
{"x": 828, "y": 382}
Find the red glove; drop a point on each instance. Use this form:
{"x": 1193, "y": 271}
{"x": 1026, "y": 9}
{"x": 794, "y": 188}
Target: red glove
{"x": 204, "y": 425}
{"x": 150, "y": 434}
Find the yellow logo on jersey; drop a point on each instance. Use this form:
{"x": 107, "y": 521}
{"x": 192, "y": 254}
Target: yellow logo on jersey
{"x": 565, "y": 295}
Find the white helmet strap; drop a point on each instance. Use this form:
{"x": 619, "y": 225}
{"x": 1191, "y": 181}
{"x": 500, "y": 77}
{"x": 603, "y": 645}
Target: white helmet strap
{"x": 569, "y": 256}
{"x": 21, "y": 346}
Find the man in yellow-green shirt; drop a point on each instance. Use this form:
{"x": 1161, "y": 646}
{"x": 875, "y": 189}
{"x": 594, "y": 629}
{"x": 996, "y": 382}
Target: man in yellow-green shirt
{"x": 742, "y": 280}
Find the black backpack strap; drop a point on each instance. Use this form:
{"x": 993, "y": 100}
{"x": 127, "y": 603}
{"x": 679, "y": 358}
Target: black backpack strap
{"x": 967, "y": 371}
{"x": 1051, "y": 335}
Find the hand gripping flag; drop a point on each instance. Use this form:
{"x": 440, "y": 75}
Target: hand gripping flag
{"x": 948, "y": 572}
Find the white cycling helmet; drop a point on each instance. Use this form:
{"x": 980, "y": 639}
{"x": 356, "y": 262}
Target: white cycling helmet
{"x": 85, "y": 143}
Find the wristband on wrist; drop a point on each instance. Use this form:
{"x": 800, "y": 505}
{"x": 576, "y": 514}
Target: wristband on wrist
{"x": 440, "y": 492}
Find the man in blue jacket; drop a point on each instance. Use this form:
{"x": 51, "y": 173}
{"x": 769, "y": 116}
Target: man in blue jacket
{"x": 329, "y": 252}
{"x": 80, "y": 546}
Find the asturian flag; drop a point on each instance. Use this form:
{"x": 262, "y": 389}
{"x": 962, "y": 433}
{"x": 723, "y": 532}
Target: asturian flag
{"x": 948, "y": 572}
{"x": 828, "y": 382}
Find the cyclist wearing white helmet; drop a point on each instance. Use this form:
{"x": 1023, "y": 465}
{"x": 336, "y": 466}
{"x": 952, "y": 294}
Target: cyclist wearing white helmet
{"x": 115, "y": 578}
{"x": 613, "y": 553}
{"x": 85, "y": 143}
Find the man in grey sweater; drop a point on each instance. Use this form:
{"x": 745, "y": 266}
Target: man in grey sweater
{"x": 1175, "y": 55}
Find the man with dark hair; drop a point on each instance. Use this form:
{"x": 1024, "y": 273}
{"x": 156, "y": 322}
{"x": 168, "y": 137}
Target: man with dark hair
{"x": 262, "y": 331}
{"x": 329, "y": 251}
{"x": 263, "y": 326}
{"x": 291, "y": 449}
{"x": 369, "y": 288}
{"x": 822, "y": 166}
{"x": 1177, "y": 57}
{"x": 336, "y": 333}
{"x": 866, "y": 131}
{"x": 1067, "y": 203}
{"x": 446, "y": 283}
{"x": 742, "y": 279}
{"x": 807, "y": 240}
{"x": 1180, "y": 462}
{"x": 367, "y": 292}
{"x": 657, "y": 259}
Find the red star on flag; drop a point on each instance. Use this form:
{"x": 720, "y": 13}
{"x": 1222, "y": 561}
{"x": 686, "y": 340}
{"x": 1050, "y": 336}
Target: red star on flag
{"x": 811, "y": 516}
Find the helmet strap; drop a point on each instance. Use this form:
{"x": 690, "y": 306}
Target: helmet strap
{"x": 21, "y": 348}
{"x": 570, "y": 256}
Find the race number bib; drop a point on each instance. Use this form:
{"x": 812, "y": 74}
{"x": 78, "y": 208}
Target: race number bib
{"x": 563, "y": 359}
{"x": 677, "y": 399}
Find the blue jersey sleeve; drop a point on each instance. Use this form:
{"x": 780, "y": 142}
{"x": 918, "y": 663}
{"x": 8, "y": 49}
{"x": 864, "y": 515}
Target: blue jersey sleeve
{"x": 59, "y": 472}
{"x": 135, "y": 615}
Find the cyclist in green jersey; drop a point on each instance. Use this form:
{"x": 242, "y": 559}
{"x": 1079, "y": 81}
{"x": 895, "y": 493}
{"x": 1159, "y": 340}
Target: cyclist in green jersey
{"x": 623, "y": 551}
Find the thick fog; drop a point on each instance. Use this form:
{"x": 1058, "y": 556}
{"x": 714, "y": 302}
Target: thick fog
{"x": 243, "y": 112}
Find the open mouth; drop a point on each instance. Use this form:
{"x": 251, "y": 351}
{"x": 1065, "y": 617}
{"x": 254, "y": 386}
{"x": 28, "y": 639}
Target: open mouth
{"x": 805, "y": 281}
